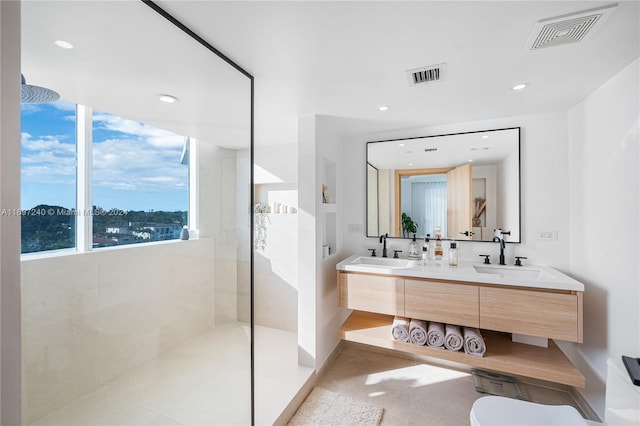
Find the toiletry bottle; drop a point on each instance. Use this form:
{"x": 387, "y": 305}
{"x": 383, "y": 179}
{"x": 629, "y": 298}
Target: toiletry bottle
{"x": 425, "y": 251}
{"x": 438, "y": 252}
{"x": 453, "y": 255}
{"x": 184, "y": 233}
{"x": 414, "y": 252}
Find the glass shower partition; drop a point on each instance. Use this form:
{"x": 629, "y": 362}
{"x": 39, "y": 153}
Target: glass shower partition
{"x": 160, "y": 331}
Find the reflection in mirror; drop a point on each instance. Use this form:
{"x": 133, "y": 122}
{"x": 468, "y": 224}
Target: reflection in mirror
{"x": 466, "y": 184}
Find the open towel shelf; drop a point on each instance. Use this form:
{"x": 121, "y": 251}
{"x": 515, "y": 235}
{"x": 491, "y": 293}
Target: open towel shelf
{"x": 502, "y": 355}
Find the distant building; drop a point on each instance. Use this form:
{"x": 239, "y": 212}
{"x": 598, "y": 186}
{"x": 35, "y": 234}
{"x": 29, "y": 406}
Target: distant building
{"x": 164, "y": 231}
{"x": 158, "y": 231}
{"x": 122, "y": 229}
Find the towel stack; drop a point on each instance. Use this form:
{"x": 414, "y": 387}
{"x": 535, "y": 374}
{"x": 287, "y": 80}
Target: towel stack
{"x": 418, "y": 332}
{"x": 400, "y": 329}
{"x": 473, "y": 342}
{"x": 438, "y": 335}
{"x": 453, "y": 338}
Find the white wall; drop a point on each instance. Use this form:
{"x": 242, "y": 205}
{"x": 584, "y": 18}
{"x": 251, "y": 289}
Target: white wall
{"x": 10, "y": 350}
{"x": 320, "y": 145}
{"x": 309, "y": 235}
{"x": 604, "y": 183}
{"x": 276, "y": 267}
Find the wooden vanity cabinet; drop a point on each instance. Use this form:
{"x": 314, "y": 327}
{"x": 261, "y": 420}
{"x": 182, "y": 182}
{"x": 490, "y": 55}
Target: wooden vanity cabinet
{"x": 445, "y": 302}
{"x": 496, "y": 309}
{"x": 554, "y": 314}
{"x": 372, "y": 293}
{"x": 551, "y": 314}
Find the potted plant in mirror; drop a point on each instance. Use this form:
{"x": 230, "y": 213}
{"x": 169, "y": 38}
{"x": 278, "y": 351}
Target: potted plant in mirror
{"x": 409, "y": 226}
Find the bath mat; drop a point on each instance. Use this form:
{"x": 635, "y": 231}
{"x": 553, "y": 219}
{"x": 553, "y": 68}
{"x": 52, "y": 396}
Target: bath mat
{"x": 323, "y": 407}
{"x": 497, "y": 384}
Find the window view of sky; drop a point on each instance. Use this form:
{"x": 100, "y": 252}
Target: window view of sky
{"x": 135, "y": 166}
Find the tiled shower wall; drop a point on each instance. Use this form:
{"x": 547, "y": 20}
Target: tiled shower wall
{"x": 90, "y": 318}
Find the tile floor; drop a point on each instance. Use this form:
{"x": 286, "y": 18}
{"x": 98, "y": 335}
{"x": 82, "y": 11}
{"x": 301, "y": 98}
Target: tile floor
{"x": 205, "y": 381}
{"x": 411, "y": 392}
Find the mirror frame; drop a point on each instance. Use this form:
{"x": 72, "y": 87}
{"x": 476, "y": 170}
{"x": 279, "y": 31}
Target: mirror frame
{"x": 368, "y": 165}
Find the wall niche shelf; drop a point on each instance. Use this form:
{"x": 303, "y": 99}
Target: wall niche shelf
{"x": 328, "y": 207}
{"x": 502, "y": 355}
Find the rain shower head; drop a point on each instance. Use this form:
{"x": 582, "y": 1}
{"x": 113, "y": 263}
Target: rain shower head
{"x": 36, "y": 94}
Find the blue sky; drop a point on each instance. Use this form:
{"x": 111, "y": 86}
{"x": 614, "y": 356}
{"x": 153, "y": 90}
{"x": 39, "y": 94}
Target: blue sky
{"x": 135, "y": 166}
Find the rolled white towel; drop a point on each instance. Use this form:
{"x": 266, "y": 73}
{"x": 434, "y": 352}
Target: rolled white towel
{"x": 435, "y": 335}
{"x": 473, "y": 342}
{"x": 453, "y": 338}
{"x": 400, "y": 329}
{"x": 418, "y": 332}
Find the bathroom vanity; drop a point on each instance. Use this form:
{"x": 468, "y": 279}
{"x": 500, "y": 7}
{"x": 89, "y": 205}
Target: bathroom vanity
{"x": 533, "y": 300}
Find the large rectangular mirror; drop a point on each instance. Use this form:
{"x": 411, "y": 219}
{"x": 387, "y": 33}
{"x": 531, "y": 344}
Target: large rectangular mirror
{"x": 465, "y": 184}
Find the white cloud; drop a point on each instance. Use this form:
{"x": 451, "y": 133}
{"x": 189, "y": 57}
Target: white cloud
{"x": 153, "y": 135}
{"x": 48, "y": 160}
{"x": 138, "y": 158}
{"x": 136, "y": 165}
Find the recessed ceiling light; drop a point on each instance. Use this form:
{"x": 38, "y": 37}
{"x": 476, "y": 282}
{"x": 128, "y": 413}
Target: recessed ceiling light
{"x": 519, "y": 86}
{"x": 63, "y": 44}
{"x": 400, "y": 144}
{"x": 411, "y": 164}
{"x": 383, "y": 108}
{"x": 168, "y": 99}
{"x": 485, "y": 137}
{"x": 470, "y": 160}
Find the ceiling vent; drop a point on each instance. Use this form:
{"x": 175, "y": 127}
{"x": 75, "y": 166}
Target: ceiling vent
{"x": 426, "y": 75}
{"x": 566, "y": 29}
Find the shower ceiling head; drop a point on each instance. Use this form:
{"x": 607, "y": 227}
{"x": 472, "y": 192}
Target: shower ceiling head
{"x": 36, "y": 94}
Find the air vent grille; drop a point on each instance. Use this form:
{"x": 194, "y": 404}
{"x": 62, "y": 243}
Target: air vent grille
{"x": 564, "y": 32}
{"x": 425, "y": 75}
{"x": 430, "y": 149}
{"x": 567, "y": 29}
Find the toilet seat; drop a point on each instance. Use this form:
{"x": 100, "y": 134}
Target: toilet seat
{"x": 502, "y": 411}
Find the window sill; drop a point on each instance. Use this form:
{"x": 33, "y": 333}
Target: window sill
{"x": 74, "y": 251}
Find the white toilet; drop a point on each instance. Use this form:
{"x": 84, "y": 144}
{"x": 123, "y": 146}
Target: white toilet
{"x": 622, "y": 406}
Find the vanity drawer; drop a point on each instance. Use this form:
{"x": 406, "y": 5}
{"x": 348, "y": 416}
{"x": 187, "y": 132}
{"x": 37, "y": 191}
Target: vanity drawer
{"x": 383, "y": 295}
{"x": 442, "y": 302}
{"x": 534, "y": 313}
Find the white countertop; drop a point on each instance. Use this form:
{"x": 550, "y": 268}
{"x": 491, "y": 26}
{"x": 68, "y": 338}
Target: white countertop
{"x": 546, "y": 276}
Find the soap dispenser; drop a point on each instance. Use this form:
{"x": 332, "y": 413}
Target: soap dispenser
{"x": 425, "y": 251}
{"x": 453, "y": 255}
{"x": 414, "y": 252}
{"x": 438, "y": 251}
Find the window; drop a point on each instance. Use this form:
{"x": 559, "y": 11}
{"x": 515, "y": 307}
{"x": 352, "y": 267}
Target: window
{"x": 48, "y": 176}
{"x": 140, "y": 186}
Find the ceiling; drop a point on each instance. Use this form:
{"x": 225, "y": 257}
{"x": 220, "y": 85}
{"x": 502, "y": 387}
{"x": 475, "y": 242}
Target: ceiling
{"x": 486, "y": 147}
{"x": 345, "y": 59}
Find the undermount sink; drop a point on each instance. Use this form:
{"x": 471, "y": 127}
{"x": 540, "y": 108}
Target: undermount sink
{"x": 383, "y": 262}
{"x": 506, "y": 271}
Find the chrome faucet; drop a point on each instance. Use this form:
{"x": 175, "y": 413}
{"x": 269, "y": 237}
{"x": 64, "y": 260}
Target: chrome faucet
{"x": 498, "y": 237}
{"x": 383, "y": 241}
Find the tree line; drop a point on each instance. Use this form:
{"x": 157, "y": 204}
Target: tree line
{"x": 49, "y": 227}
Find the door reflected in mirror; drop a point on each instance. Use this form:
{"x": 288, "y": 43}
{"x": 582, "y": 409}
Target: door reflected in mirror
{"x": 465, "y": 184}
